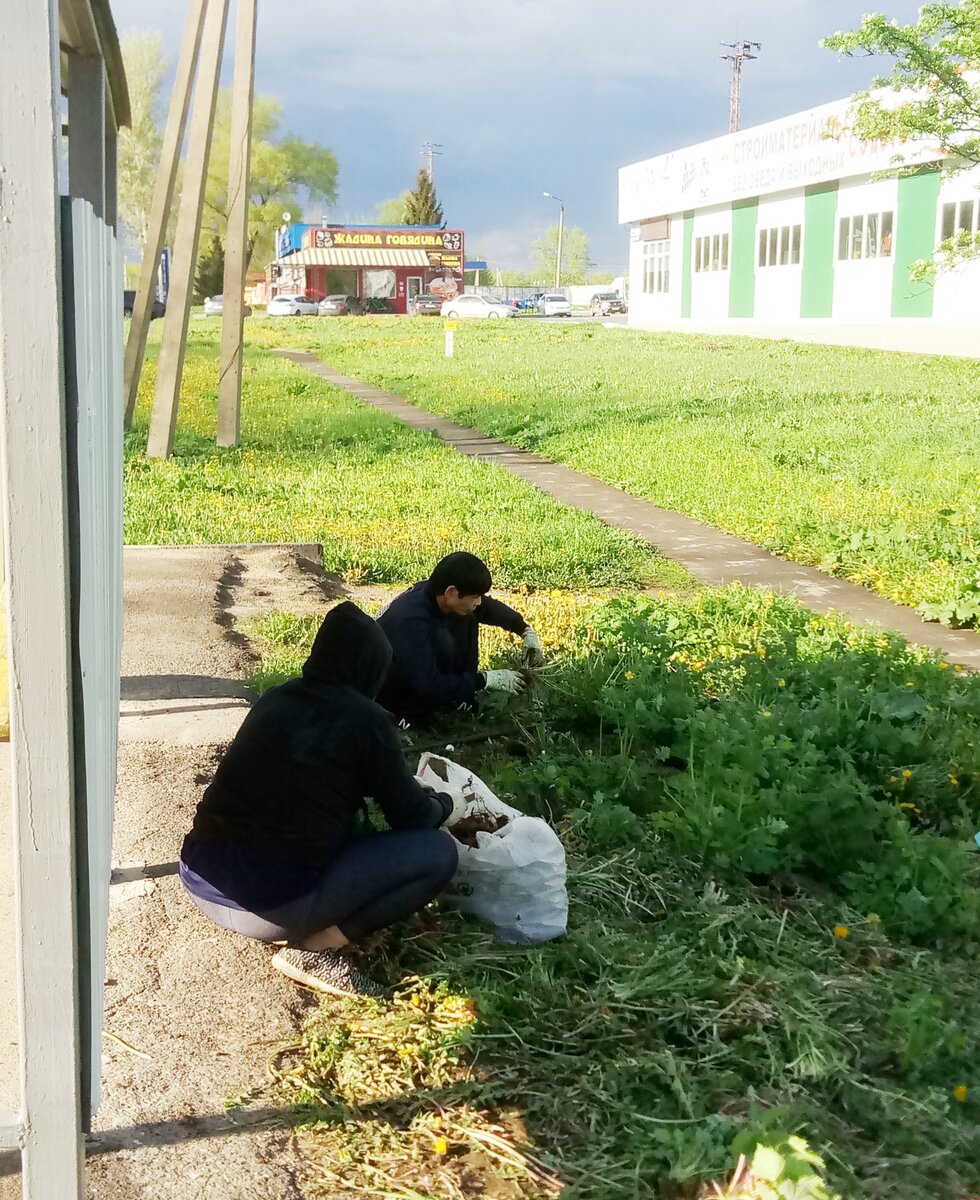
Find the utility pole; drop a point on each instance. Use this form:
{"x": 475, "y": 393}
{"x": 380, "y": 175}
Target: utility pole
{"x": 162, "y": 199}
{"x": 170, "y": 369}
{"x": 561, "y": 235}
{"x": 741, "y": 51}
{"x": 428, "y": 152}
{"x": 236, "y": 239}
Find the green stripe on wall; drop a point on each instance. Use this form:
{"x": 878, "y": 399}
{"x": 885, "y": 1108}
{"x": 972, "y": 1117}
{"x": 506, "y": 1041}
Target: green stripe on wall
{"x": 741, "y": 281}
{"x": 915, "y": 237}
{"x": 819, "y": 221}
{"x": 687, "y": 224}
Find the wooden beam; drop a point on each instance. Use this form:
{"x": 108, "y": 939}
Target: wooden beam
{"x": 33, "y": 461}
{"x": 86, "y": 130}
{"x": 163, "y": 194}
{"x": 163, "y": 420}
{"x": 236, "y": 239}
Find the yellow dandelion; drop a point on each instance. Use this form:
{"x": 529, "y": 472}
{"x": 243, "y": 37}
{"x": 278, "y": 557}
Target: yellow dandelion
{"x": 628, "y": 675}
{"x": 781, "y": 683}
{"x": 893, "y": 779}
{"x": 954, "y": 781}
{"x": 841, "y": 931}
{"x": 440, "y": 1145}
{"x": 761, "y": 652}
{"x": 960, "y": 1092}
{"x": 906, "y": 774}
{"x": 766, "y": 712}
{"x": 944, "y": 666}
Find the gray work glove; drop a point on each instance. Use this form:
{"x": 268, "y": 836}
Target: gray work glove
{"x": 533, "y": 653}
{"x": 504, "y": 681}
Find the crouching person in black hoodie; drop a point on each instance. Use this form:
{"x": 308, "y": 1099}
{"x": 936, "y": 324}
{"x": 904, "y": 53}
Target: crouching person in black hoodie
{"x": 273, "y": 852}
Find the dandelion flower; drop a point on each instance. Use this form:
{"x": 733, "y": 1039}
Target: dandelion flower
{"x": 767, "y": 712}
{"x": 906, "y": 774}
{"x": 628, "y": 675}
{"x": 893, "y": 779}
{"x": 782, "y": 683}
{"x": 954, "y": 781}
{"x": 440, "y": 1145}
{"x": 761, "y": 652}
{"x": 841, "y": 931}
{"x": 960, "y": 1092}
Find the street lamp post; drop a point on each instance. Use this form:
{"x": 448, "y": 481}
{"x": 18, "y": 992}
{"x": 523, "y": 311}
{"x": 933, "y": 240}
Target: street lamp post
{"x": 561, "y": 233}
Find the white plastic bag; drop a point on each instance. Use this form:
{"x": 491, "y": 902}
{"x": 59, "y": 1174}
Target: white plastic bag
{"x": 513, "y": 879}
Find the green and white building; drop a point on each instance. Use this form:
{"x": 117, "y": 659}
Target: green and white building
{"x": 787, "y": 223}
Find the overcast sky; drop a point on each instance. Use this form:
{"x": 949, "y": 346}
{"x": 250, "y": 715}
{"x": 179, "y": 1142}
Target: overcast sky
{"x": 526, "y": 96}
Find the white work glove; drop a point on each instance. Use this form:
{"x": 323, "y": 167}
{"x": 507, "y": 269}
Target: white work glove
{"x": 504, "y": 681}
{"x": 533, "y": 653}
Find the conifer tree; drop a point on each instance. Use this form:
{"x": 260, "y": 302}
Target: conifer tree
{"x": 421, "y": 205}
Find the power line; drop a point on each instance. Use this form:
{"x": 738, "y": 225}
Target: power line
{"x": 741, "y": 51}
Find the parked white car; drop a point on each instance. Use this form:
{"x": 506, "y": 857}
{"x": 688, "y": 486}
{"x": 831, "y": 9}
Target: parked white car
{"x": 477, "y": 306}
{"x": 214, "y": 306}
{"x": 552, "y": 304}
{"x": 292, "y": 305}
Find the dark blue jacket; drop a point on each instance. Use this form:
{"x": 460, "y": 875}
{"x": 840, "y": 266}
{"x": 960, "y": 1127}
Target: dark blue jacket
{"x": 435, "y": 655}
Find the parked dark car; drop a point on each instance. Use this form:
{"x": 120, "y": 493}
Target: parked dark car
{"x": 426, "y": 306}
{"x": 157, "y": 308}
{"x": 340, "y": 306}
{"x": 604, "y": 303}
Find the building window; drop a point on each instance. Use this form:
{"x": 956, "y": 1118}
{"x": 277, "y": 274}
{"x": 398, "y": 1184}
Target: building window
{"x": 780, "y": 246}
{"x": 961, "y": 216}
{"x": 711, "y": 252}
{"x": 868, "y": 236}
{"x": 656, "y": 266}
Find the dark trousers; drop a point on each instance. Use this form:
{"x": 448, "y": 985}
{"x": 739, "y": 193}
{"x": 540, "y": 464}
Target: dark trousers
{"x": 373, "y": 881}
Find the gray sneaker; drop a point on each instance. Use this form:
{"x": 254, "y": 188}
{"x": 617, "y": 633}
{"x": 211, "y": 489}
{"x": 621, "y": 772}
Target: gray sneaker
{"x": 326, "y": 971}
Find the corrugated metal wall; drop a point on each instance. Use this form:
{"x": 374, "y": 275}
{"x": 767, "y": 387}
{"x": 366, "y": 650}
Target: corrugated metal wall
{"x": 92, "y": 298}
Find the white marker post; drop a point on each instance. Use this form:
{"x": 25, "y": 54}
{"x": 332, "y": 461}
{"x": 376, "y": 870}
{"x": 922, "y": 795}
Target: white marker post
{"x": 450, "y": 337}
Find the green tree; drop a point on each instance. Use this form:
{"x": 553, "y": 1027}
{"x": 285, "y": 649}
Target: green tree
{"x": 421, "y": 205}
{"x": 139, "y": 145}
{"x": 576, "y": 256}
{"x": 210, "y": 277}
{"x": 282, "y": 167}
{"x": 392, "y": 212}
{"x": 931, "y": 92}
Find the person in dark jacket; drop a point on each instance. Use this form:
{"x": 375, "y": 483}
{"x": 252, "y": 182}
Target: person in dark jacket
{"x": 274, "y": 853}
{"x": 434, "y": 631}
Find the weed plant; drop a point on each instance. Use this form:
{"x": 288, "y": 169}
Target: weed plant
{"x": 385, "y": 501}
{"x": 863, "y": 463}
{"x": 772, "y": 933}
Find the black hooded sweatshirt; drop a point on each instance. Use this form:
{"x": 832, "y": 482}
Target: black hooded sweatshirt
{"x": 290, "y": 785}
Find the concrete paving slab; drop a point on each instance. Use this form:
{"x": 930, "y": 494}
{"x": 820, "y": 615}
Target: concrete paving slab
{"x": 711, "y": 555}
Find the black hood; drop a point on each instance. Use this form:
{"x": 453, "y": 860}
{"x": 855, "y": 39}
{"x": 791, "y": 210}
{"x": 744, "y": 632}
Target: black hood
{"x": 350, "y": 649}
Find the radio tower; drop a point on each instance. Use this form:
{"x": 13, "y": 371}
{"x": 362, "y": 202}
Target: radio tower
{"x": 740, "y": 52}
{"x": 428, "y": 152}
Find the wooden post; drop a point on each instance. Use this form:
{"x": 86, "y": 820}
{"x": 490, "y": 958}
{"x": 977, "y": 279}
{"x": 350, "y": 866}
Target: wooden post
{"x": 163, "y": 195}
{"x": 33, "y": 461}
{"x": 86, "y": 130}
{"x": 163, "y": 420}
{"x": 236, "y": 238}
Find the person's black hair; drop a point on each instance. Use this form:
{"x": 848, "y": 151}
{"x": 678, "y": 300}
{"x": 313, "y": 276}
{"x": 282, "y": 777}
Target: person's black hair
{"x": 468, "y": 574}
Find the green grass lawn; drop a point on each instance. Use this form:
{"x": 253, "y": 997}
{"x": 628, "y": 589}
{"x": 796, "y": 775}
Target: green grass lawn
{"x": 385, "y": 501}
{"x": 862, "y": 462}
{"x": 773, "y": 928}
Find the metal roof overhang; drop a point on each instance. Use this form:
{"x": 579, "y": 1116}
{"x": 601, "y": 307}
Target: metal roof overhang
{"x": 338, "y": 256}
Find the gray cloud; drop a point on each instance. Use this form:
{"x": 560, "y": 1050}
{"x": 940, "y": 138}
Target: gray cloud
{"x": 527, "y": 95}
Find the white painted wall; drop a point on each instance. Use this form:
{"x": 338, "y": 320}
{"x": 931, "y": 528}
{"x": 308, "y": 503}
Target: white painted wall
{"x": 658, "y": 306}
{"x": 863, "y": 287}
{"x": 777, "y": 289}
{"x": 957, "y": 293}
{"x": 709, "y": 289}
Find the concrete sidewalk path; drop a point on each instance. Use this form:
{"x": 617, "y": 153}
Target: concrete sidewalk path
{"x": 711, "y": 555}
{"x": 192, "y": 1013}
